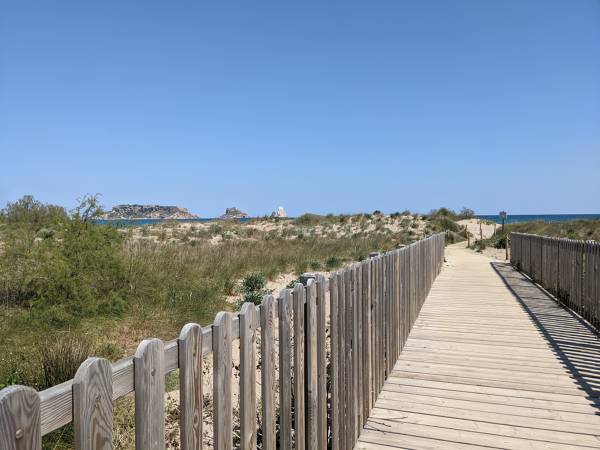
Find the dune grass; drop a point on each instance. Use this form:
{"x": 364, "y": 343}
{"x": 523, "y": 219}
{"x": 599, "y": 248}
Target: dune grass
{"x": 575, "y": 229}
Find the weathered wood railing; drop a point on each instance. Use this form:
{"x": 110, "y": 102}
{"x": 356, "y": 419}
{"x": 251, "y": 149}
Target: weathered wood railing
{"x": 371, "y": 308}
{"x": 567, "y": 268}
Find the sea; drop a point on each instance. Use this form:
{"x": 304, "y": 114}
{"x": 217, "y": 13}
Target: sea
{"x": 142, "y": 222}
{"x": 517, "y": 218}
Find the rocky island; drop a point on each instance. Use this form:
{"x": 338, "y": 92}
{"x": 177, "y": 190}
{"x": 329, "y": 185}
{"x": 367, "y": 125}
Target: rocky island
{"x": 136, "y": 212}
{"x": 233, "y": 214}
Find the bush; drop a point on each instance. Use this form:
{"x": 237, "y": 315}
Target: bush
{"x": 253, "y": 288}
{"x": 333, "y": 262}
{"x": 70, "y": 273}
{"x": 466, "y": 213}
{"x": 315, "y": 265}
{"x": 500, "y": 242}
{"x": 31, "y": 213}
{"x": 61, "y": 358}
{"x": 309, "y": 219}
{"x": 479, "y": 246}
{"x": 446, "y": 224}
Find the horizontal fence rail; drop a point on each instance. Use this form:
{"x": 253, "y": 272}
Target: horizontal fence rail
{"x": 569, "y": 269}
{"x": 333, "y": 342}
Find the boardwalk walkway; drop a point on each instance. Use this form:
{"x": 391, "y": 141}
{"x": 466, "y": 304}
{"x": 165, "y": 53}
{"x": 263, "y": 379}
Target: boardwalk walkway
{"x": 491, "y": 362}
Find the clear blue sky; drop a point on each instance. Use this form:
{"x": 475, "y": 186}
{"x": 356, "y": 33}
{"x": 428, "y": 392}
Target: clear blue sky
{"x": 324, "y": 106}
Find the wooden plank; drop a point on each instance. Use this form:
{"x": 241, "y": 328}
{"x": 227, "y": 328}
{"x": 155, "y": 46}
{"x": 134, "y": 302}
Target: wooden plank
{"x": 494, "y": 397}
{"x": 334, "y": 364}
{"x": 349, "y": 370}
{"x": 479, "y": 427}
{"x": 149, "y": 372}
{"x": 92, "y": 405}
{"x": 361, "y": 378}
{"x": 310, "y": 371}
{"x": 321, "y": 363}
{"x": 526, "y": 418}
{"x": 285, "y": 369}
{"x": 375, "y": 440}
{"x": 20, "y": 419}
{"x": 382, "y": 323}
{"x": 343, "y": 382}
{"x": 356, "y": 345}
{"x": 366, "y": 350}
{"x": 298, "y": 296}
{"x": 267, "y": 350}
{"x": 222, "y": 373}
{"x": 190, "y": 386}
{"x": 414, "y": 400}
{"x": 374, "y": 331}
{"x": 247, "y": 376}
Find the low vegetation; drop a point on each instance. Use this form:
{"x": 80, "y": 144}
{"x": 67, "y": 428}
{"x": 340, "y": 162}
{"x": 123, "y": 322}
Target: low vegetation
{"x": 576, "y": 229}
{"x": 66, "y": 279}
{"x": 71, "y": 287}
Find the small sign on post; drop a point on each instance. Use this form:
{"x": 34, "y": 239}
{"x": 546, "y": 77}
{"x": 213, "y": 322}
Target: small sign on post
{"x": 503, "y": 217}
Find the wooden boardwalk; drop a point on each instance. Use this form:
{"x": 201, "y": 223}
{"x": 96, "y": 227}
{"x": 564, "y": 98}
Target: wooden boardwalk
{"x": 491, "y": 362}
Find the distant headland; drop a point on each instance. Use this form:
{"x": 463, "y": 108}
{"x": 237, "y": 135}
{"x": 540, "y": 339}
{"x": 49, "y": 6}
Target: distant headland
{"x": 137, "y": 212}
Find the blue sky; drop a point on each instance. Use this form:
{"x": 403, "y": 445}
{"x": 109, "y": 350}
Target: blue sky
{"x": 334, "y": 106}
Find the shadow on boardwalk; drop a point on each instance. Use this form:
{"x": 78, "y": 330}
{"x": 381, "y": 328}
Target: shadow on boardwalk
{"x": 573, "y": 340}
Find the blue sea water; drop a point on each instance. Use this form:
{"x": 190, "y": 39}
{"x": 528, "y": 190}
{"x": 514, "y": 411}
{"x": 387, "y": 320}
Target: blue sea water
{"x": 516, "y": 218}
{"x": 142, "y": 222}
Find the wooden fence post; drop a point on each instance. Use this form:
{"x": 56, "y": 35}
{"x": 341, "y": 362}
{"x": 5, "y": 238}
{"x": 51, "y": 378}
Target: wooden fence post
{"x": 267, "y": 351}
{"x": 349, "y": 359}
{"x": 334, "y": 313}
{"x": 20, "y": 419}
{"x": 222, "y": 372}
{"x": 247, "y": 377}
{"x": 149, "y": 374}
{"x": 92, "y": 405}
{"x": 299, "y": 354}
{"x": 321, "y": 363}
{"x": 343, "y": 382}
{"x": 366, "y": 329}
{"x": 190, "y": 386}
{"x": 310, "y": 366}
{"x": 285, "y": 369}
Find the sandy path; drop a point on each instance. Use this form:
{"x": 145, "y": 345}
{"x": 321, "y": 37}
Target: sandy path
{"x": 472, "y": 225}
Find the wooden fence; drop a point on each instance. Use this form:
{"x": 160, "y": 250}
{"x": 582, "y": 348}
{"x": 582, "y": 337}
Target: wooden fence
{"x": 338, "y": 340}
{"x": 567, "y": 268}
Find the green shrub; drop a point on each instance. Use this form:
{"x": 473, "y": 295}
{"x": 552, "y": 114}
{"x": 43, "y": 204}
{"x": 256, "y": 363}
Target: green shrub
{"x": 315, "y": 265}
{"x": 253, "y": 288}
{"x": 466, "y": 213}
{"x": 308, "y": 219}
{"x": 500, "y": 242}
{"x": 71, "y": 274}
{"x": 479, "y": 246}
{"x": 446, "y": 224}
{"x": 333, "y": 262}
{"x": 33, "y": 214}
